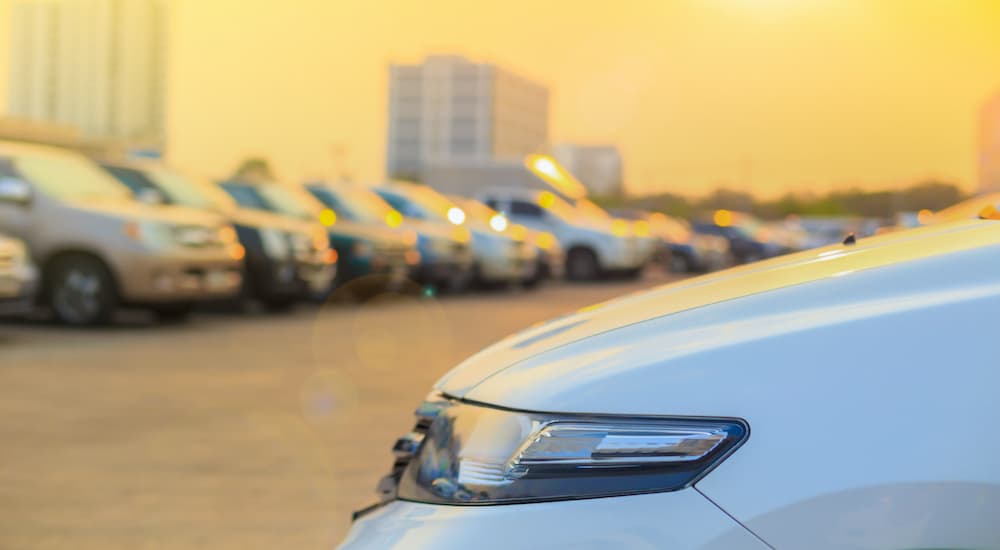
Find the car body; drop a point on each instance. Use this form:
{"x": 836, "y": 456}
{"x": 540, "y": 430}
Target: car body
{"x": 592, "y": 247}
{"x": 446, "y": 256}
{"x": 367, "y": 234}
{"x": 968, "y": 209}
{"x": 503, "y": 252}
{"x": 318, "y": 263}
{"x": 746, "y": 245}
{"x": 683, "y": 250}
{"x": 839, "y": 398}
{"x": 281, "y": 263}
{"x": 98, "y": 248}
{"x": 18, "y": 277}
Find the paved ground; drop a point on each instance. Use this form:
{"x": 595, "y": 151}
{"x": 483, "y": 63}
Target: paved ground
{"x": 228, "y": 432}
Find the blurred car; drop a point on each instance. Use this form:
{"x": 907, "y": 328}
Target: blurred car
{"x": 503, "y": 253}
{"x": 99, "y": 249}
{"x": 367, "y": 234}
{"x": 285, "y": 259}
{"x": 683, "y": 250}
{"x": 299, "y": 207}
{"x": 446, "y": 256}
{"x": 636, "y": 228}
{"x": 713, "y": 414}
{"x": 966, "y": 210}
{"x": 741, "y": 230}
{"x": 593, "y": 247}
{"x": 18, "y": 277}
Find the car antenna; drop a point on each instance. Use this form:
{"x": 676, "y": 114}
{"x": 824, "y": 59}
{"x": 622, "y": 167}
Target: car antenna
{"x": 850, "y": 240}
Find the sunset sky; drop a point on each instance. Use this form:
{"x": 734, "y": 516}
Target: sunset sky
{"x": 771, "y": 95}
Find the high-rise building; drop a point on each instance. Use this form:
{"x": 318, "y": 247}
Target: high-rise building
{"x": 98, "y": 65}
{"x": 449, "y": 108}
{"x": 598, "y": 167}
{"x": 989, "y": 146}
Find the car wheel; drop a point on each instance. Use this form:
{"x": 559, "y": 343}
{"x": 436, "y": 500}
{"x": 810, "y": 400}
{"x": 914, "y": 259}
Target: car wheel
{"x": 173, "y": 313}
{"x": 81, "y": 291}
{"x": 581, "y": 265}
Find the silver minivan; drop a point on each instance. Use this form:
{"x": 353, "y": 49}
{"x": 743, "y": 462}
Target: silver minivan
{"x": 99, "y": 249}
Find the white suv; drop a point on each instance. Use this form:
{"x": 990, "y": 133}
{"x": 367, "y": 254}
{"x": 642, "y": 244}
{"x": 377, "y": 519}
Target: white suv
{"x": 593, "y": 249}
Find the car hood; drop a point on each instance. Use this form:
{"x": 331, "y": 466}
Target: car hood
{"x": 366, "y": 231}
{"x": 137, "y": 211}
{"x": 684, "y": 338}
{"x": 262, "y": 219}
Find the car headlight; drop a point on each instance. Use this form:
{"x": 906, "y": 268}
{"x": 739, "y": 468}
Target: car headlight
{"x": 476, "y": 455}
{"x": 275, "y": 244}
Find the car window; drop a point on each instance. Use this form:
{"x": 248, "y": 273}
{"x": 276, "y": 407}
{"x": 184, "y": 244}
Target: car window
{"x": 246, "y": 196}
{"x": 524, "y": 208}
{"x": 182, "y": 190}
{"x": 69, "y": 177}
{"x": 359, "y": 204}
{"x": 402, "y": 204}
{"x": 135, "y": 180}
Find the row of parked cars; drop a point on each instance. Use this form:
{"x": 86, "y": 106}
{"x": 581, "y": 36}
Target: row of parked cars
{"x": 87, "y": 236}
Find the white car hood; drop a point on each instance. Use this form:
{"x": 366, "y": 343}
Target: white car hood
{"x": 617, "y": 357}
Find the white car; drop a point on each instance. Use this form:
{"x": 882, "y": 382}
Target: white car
{"x": 840, "y": 398}
{"x": 592, "y": 247}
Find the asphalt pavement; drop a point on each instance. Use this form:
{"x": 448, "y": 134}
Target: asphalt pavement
{"x": 261, "y": 431}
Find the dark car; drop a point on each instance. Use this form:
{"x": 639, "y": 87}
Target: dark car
{"x": 367, "y": 234}
{"x": 741, "y": 232}
{"x": 285, "y": 260}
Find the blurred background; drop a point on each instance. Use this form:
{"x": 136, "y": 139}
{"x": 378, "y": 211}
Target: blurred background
{"x": 239, "y": 240}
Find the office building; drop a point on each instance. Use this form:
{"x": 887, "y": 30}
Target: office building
{"x": 598, "y": 167}
{"x": 451, "y": 109}
{"x": 98, "y": 65}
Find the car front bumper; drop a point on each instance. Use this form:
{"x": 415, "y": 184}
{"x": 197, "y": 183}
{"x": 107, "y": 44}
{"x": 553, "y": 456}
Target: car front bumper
{"x": 678, "y": 520}
{"x": 18, "y": 290}
{"x": 146, "y": 276}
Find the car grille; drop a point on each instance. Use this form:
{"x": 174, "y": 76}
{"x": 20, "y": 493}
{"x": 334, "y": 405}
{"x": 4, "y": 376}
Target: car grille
{"x": 405, "y": 448}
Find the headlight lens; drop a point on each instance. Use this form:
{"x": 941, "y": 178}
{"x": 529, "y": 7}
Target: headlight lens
{"x": 480, "y": 455}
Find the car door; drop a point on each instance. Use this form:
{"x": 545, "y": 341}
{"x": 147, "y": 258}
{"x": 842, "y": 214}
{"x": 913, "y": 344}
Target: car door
{"x": 16, "y": 216}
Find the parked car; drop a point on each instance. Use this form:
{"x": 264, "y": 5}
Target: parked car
{"x": 18, "y": 277}
{"x": 713, "y": 414}
{"x": 683, "y": 250}
{"x": 741, "y": 232}
{"x": 593, "y": 249}
{"x": 503, "y": 253}
{"x": 367, "y": 234}
{"x": 446, "y": 257}
{"x": 99, "y": 249}
{"x": 285, "y": 261}
{"x": 966, "y": 210}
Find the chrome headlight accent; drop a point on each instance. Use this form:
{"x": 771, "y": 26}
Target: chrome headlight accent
{"x": 475, "y": 455}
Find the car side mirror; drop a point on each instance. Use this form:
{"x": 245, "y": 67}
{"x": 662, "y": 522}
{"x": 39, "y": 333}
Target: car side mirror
{"x": 14, "y": 190}
{"x": 151, "y": 196}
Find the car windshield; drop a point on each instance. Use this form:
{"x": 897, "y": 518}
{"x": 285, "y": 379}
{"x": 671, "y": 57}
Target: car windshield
{"x": 353, "y": 203}
{"x": 428, "y": 203}
{"x": 70, "y": 177}
{"x": 188, "y": 192}
{"x": 272, "y": 198}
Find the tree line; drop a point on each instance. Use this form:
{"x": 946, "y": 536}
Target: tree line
{"x": 932, "y": 195}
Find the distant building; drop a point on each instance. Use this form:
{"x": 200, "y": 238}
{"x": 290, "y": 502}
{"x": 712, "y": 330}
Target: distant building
{"x": 449, "y": 108}
{"x": 989, "y": 146}
{"x": 98, "y": 65}
{"x": 598, "y": 167}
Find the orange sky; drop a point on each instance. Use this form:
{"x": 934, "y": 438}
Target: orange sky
{"x": 782, "y": 94}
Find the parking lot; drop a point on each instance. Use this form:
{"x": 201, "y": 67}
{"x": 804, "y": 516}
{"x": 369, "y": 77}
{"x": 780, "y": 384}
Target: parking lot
{"x": 250, "y": 432}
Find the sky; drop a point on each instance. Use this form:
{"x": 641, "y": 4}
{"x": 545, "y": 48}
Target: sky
{"x": 771, "y": 96}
